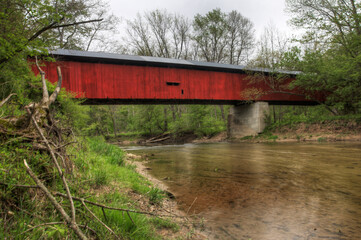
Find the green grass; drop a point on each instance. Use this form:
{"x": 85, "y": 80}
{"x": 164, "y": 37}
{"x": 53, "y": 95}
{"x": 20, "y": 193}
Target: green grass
{"x": 247, "y": 138}
{"x": 100, "y": 175}
{"x": 105, "y": 165}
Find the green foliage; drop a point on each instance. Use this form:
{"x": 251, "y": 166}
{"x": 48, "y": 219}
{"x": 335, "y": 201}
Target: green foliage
{"x": 112, "y": 154}
{"x": 209, "y": 33}
{"x": 96, "y": 160}
{"x": 247, "y": 138}
{"x": 291, "y": 116}
{"x": 12, "y": 154}
{"x": 151, "y": 119}
{"x": 133, "y": 121}
{"x": 164, "y": 223}
{"x": 100, "y": 177}
{"x": 202, "y": 120}
{"x": 331, "y": 68}
{"x": 155, "y": 195}
{"x": 95, "y": 167}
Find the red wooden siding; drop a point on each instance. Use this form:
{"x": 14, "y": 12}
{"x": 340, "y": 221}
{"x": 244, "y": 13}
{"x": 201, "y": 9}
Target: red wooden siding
{"x": 129, "y": 82}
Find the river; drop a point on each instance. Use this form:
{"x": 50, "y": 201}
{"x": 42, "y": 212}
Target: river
{"x": 265, "y": 191}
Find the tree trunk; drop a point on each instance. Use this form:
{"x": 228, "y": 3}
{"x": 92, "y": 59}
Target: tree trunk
{"x": 112, "y": 111}
{"x": 165, "y": 119}
{"x": 222, "y": 112}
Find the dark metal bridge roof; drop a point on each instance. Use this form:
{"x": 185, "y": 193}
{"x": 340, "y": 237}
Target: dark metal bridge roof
{"x": 103, "y": 57}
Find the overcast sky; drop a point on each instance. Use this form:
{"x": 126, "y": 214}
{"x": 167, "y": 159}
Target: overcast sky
{"x": 260, "y": 12}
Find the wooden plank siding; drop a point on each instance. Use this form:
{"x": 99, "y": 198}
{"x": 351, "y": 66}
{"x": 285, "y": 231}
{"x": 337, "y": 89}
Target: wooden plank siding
{"x": 132, "y": 83}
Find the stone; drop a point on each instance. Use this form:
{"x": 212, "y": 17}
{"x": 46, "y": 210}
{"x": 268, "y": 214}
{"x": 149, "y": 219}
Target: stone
{"x": 247, "y": 119}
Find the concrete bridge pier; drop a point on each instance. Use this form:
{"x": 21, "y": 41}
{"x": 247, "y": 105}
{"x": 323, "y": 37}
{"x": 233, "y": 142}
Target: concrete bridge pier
{"x": 247, "y": 119}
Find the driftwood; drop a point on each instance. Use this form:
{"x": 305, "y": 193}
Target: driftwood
{"x": 159, "y": 138}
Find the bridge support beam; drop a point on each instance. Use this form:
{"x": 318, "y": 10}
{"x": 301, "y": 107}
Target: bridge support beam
{"x": 248, "y": 119}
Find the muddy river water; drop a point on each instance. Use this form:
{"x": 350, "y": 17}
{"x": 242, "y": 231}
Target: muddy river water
{"x": 265, "y": 191}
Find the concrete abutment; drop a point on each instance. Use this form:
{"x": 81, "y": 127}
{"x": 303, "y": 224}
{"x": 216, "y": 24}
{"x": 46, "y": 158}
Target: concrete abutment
{"x": 247, "y": 120}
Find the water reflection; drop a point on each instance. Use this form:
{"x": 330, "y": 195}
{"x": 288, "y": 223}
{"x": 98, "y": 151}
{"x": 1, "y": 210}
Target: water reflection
{"x": 266, "y": 191}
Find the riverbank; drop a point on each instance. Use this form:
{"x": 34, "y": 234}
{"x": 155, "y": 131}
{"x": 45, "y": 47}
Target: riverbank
{"x": 173, "y": 139}
{"x": 127, "y": 202}
{"x": 190, "y": 226}
{"x": 326, "y": 131}
{"x": 144, "y": 194}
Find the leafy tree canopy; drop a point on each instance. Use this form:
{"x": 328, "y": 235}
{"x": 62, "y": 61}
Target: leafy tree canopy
{"x": 331, "y": 61}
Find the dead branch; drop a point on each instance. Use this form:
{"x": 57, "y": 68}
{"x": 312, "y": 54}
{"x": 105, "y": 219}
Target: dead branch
{"x": 131, "y": 219}
{"x": 54, "y": 95}
{"x": 88, "y": 228}
{"x": 100, "y": 221}
{"x": 157, "y": 137}
{"x": 116, "y": 209}
{"x": 72, "y": 224}
{"x": 55, "y": 161}
{"x": 19, "y": 185}
{"x": 105, "y": 216}
{"x": 158, "y": 140}
{"x": 64, "y": 145}
{"x": 40, "y": 147}
{"x": 55, "y": 25}
{"x": 45, "y": 98}
{"x": 192, "y": 205}
{"x": 6, "y": 99}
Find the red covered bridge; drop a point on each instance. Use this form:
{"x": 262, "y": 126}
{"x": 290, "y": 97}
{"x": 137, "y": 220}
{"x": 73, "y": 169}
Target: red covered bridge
{"x": 104, "y": 78}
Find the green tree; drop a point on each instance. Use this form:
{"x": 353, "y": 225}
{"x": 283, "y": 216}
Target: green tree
{"x": 27, "y": 29}
{"x": 331, "y": 63}
{"x": 210, "y": 33}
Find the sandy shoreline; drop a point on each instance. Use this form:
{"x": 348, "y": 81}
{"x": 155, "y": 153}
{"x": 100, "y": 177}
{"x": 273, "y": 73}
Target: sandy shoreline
{"x": 188, "y": 224}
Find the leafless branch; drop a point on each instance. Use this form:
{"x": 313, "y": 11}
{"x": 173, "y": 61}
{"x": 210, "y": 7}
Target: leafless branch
{"x": 100, "y": 221}
{"x": 55, "y": 161}
{"x": 55, "y": 25}
{"x": 43, "y": 81}
{"x": 66, "y": 144}
{"x": 54, "y": 95}
{"x": 6, "y": 99}
{"x": 116, "y": 209}
{"x": 59, "y": 208}
{"x": 19, "y": 185}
